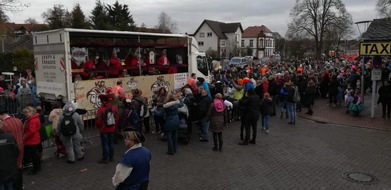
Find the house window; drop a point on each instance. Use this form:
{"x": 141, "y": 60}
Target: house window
{"x": 209, "y": 34}
{"x": 200, "y": 43}
{"x": 261, "y": 43}
{"x": 251, "y": 43}
{"x": 237, "y": 38}
{"x": 242, "y": 44}
{"x": 222, "y": 43}
{"x": 202, "y": 34}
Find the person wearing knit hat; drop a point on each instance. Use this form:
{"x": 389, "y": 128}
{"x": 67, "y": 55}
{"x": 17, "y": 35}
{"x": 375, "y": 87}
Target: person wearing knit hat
{"x": 217, "y": 115}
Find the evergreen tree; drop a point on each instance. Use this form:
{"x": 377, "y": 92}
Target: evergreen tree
{"x": 78, "y": 18}
{"x": 58, "y": 17}
{"x": 120, "y": 17}
{"x": 99, "y": 17}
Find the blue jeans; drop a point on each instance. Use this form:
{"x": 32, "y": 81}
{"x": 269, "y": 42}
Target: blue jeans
{"x": 107, "y": 140}
{"x": 204, "y": 128}
{"x": 292, "y": 111}
{"x": 265, "y": 121}
{"x": 6, "y": 185}
{"x": 172, "y": 141}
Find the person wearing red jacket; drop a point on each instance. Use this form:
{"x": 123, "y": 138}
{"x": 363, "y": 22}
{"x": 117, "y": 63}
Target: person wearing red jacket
{"x": 163, "y": 60}
{"x": 106, "y": 132}
{"x": 87, "y": 67}
{"x": 115, "y": 66}
{"x": 32, "y": 139}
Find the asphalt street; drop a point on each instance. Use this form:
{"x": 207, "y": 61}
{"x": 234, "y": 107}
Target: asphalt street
{"x": 309, "y": 155}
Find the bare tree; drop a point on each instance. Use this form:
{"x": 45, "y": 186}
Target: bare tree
{"x": 57, "y": 17}
{"x": 12, "y": 5}
{"x": 31, "y": 21}
{"x": 166, "y": 23}
{"x": 383, "y": 8}
{"x": 313, "y": 18}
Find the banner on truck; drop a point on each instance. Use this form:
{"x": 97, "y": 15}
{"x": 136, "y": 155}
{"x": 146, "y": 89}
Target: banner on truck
{"x": 87, "y": 92}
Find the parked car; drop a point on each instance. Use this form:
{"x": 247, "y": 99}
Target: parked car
{"x": 238, "y": 61}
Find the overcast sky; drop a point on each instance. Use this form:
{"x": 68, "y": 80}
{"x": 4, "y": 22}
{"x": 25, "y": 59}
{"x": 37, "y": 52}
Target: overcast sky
{"x": 189, "y": 14}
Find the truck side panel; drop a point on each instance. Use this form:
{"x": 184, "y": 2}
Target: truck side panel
{"x": 50, "y": 64}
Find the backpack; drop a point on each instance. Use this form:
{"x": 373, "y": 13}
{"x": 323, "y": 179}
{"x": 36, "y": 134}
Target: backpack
{"x": 142, "y": 112}
{"x": 110, "y": 120}
{"x": 133, "y": 117}
{"x": 68, "y": 125}
{"x": 296, "y": 95}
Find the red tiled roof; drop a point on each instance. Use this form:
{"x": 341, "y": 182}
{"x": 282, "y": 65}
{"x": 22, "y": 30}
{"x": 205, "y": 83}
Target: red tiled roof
{"x": 28, "y": 27}
{"x": 254, "y": 31}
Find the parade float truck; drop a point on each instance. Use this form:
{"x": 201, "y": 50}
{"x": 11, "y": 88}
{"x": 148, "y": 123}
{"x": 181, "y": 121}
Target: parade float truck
{"x": 59, "y": 56}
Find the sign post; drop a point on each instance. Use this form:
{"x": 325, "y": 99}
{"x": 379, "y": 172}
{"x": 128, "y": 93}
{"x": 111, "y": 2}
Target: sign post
{"x": 375, "y": 49}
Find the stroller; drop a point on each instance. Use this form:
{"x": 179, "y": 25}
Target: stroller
{"x": 61, "y": 151}
{"x": 183, "y": 131}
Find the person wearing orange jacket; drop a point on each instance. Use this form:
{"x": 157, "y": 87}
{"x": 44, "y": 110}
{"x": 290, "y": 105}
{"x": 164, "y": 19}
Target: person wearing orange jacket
{"x": 106, "y": 132}
{"x": 32, "y": 139}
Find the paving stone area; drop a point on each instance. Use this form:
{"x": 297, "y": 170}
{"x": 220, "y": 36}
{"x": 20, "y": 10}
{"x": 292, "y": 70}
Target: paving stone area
{"x": 308, "y": 155}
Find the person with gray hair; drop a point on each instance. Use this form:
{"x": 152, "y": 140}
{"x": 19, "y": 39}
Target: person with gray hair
{"x": 72, "y": 142}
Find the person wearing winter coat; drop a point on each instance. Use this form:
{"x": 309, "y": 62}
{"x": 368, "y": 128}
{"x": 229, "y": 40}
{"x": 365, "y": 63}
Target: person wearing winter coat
{"x": 333, "y": 90}
{"x": 266, "y": 107}
{"x": 32, "y": 139}
{"x": 309, "y": 96}
{"x": 291, "y": 104}
{"x": 203, "y": 106}
{"x": 217, "y": 115}
{"x": 158, "y": 102}
{"x": 14, "y": 126}
{"x": 106, "y": 132}
{"x": 251, "y": 105}
{"x": 385, "y": 99}
{"x": 72, "y": 143}
{"x": 55, "y": 115}
{"x": 170, "y": 112}
{"x": 274, "y": 89}
{"x": 8, "y": 160}
{"x": 283, "y": 95}
{"x": 132, "y": 171}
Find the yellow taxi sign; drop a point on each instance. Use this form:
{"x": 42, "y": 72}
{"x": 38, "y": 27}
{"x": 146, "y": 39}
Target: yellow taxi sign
{"x": 375, "y": 48}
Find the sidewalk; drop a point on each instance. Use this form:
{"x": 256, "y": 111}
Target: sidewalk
{"x": 336, "y": 115}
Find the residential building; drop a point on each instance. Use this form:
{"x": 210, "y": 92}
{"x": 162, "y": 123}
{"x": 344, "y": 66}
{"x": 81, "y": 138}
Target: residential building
{"x": 223, "y": 38}
{"x": 260, "y": 40}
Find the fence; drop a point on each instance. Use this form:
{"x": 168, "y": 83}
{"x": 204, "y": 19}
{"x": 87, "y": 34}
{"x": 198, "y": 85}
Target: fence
{"x": 10, "y": 103}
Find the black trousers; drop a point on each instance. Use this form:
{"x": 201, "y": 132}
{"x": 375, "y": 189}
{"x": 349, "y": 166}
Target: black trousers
{"x": 17, "y": 180}
{"x": 386, "y": 107}
{"x": 31, "y": 155}
{"x": 251, "y": 124}
{"x": 218, "y": 139}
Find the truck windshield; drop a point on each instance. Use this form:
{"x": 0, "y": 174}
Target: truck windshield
{"x": 202, "y": 65}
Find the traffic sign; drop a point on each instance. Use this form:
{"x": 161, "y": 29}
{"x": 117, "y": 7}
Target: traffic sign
{"x": 375, "y": 48}
{"x": 376, "y": 74}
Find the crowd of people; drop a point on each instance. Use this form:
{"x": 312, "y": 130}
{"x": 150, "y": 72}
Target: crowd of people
{"x": 18, "y": 93}
{"x": 236, "y": 94}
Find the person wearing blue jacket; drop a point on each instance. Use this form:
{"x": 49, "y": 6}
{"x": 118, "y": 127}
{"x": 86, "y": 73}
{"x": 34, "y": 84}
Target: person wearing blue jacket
{"x": 132, "y": 171}
{"x": 171, "y": 125}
